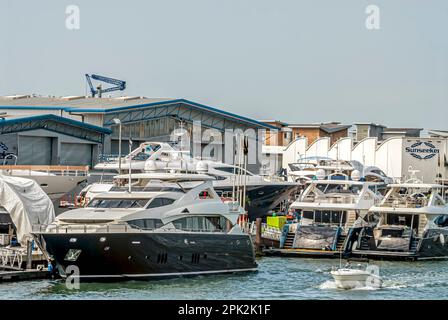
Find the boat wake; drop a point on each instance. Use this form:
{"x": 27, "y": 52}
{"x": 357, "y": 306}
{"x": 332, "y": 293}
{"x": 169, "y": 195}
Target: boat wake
{"x": 331, "y": 285}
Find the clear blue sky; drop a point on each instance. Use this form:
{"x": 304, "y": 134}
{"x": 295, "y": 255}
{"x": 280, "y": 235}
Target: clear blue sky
{"x": 296, "y": 61}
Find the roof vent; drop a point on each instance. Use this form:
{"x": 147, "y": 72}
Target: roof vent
{"x": 128, "y": 98}
{"x": 70, "y": 98}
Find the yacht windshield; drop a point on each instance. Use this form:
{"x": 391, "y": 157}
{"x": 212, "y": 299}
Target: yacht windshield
{"x": 340, "y": 188}
{"x": 141, "y": 156}
{"x": 301, "y": 166}
{"x": 118, "y": 203}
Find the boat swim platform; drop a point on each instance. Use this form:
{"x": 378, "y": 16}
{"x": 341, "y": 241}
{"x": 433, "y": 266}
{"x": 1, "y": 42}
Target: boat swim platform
{"x": 306, "y": 253}
{"x": 389, "y": 255}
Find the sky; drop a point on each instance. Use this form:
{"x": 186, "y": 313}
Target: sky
{"x": 288, "y": 60}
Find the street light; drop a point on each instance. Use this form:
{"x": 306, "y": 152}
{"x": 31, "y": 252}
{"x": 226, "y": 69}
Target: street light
{"x": 118, "y": 121}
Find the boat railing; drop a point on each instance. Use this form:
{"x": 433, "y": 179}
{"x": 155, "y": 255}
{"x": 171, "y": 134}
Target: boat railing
{"x": 109, "y": 228}
{"x": 405, "y": 202}
{"x": 12, "y": 257}
{"x": 334, "y": 198}
{"x": 267, "y": 231}
{"x": 50, "y": 170}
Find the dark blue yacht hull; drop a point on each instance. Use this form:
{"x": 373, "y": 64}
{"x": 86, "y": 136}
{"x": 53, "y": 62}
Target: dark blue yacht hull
{"x": 263, "y": 199}
{"x": 149, "y": 255}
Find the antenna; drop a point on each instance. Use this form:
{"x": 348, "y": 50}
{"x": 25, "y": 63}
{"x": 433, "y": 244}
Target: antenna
{"x": 130, "y": 167}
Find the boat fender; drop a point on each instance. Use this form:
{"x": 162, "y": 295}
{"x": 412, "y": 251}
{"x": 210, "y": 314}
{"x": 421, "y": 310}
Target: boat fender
{"x": 442, "y": 239}
{"x": 355, "y": 245}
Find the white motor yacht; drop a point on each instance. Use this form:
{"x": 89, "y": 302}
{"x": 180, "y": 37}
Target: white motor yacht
{"x": 410, "y": 223}
{"x": 139, "y": 232}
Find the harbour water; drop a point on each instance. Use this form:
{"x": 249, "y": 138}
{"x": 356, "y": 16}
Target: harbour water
{"x": 277, "y": 278}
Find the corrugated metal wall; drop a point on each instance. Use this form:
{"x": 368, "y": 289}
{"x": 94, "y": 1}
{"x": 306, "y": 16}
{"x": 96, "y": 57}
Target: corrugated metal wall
{"x": 35, "y": 150}
{"x": 76, "y": 154}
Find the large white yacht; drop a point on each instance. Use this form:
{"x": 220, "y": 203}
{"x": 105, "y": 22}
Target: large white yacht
{"x": 150, "y": 232}
{"x": 410, "y": 223}
{"x": 329, "y": 212}
{"x": 55, "y": 181}
{"x": 263, "y": 193}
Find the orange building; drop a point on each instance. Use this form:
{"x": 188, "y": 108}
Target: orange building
{"x": 289, "y": 132}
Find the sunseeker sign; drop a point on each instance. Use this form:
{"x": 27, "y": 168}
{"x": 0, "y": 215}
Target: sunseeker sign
{"x": 422, "y": 150}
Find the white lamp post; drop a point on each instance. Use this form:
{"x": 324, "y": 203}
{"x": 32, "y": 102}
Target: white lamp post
{"x": 118, "y": 121}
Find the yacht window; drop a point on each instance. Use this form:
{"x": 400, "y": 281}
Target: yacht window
{"x": 205, "y": 195}
{"x": 231, "y": 170}
{"x": 308, "y": 215}
{"x": 201, "y": 223}
{"x": 408, "y": 220}
{"x": 141, "y": 156}
{"x": 160, "y": 202}
{"x": 441, "y": 221}
{"x": 146, "y": 223}
{"x": 340, "y": 188}
{"x": 326, "y": 216}
{"x": 117, "y": 203}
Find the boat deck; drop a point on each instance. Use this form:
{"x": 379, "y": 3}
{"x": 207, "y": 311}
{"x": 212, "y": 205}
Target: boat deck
{"x": 302, "y": 253}
{"x": 387, "y": 255}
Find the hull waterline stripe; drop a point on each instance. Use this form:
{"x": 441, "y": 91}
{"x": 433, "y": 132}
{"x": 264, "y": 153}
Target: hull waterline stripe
{"x": 163, "y": 274}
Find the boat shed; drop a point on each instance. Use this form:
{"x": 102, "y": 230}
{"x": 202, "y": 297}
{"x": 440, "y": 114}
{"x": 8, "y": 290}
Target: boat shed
{"x": 50, "y": 140}
{"x": 142, "y": 119}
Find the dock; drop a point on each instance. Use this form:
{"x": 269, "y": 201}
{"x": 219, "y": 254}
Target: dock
{"x": 10, "y": 274}
{"x": 301, "y": 253}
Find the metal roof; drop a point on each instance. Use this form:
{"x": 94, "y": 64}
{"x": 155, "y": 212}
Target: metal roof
{"x": 53, "y": 123}
{"x": 327, "y": 127}
{"x": 439, "y": 133}
{"x": 82, "y": 104}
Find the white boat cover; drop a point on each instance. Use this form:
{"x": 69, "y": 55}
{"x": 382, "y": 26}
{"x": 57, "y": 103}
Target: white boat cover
{"x": 27, "y": 204}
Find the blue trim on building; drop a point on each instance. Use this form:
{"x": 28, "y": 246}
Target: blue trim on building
{"x": 158, "y": 103}
{"x": 55, "y": 118}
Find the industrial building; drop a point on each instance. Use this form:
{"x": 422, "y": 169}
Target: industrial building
{"x": 141, "y": 119}
{"x": 381, "y": 132}
{"x": 49, "y": 139}
{"x": 286, "y": 132}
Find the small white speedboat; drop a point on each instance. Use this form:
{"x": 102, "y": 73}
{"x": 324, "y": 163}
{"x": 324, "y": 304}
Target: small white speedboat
{"x": 347, "y": 278}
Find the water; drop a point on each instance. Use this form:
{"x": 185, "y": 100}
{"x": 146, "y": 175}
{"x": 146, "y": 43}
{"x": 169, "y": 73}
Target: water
{"x": 277, "y": 278}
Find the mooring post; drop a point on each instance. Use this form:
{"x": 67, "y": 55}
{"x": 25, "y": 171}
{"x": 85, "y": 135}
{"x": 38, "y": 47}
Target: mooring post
{"x": 29, "y": 254}
{"x": 258, "y": 234}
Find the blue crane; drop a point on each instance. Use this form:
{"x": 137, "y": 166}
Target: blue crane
{"x": 118, "y": 84}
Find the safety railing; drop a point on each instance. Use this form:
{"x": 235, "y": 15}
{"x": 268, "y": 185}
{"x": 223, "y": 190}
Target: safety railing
{"x": 267, "y": 232}
{"x": 336, "y": 199}
{"x": 11, "y": 257}
{"x": 50, "y": 170}
{"x": 405, "y": 202}
{"x": 110, "y": 228}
